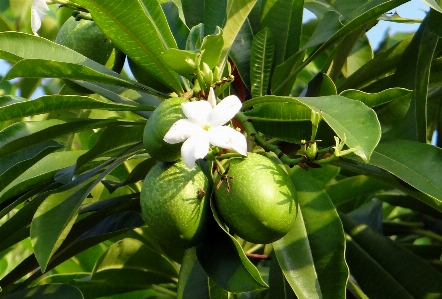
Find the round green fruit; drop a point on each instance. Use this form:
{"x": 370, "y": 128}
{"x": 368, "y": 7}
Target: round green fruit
{"x": 86, "y": 38}
{"x": 164, "y": 116}
{"x": 175, "y": 203}
{"x": 261, "y": 204}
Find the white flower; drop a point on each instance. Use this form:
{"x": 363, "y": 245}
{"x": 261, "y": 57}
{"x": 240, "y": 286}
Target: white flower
{"x": 204, "y": 126}
{"x": 37, "y": 14}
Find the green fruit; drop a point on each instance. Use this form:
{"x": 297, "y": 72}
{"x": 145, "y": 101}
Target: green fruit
{"x": 175, "y": 203}
{"x": 164, "y": 116}
{"x": 261, "y": 204}
{"x": 86, "y": 38}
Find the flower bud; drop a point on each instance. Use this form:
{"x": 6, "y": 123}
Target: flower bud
{"x": 207, "y": 74}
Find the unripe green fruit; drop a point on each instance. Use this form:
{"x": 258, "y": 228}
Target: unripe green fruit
{"x": 86, "y": 38}
{"x": 261, "y": 204}
{"x": 175, "y": 203}
{"x": 159, "y": 123}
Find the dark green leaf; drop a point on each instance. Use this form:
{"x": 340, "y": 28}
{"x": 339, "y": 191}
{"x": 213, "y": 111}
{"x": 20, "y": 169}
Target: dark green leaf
{"x": 143, "y": 44}
{"x": 42, "y": 171}
{"x": 311, "y": 255}
{"x": 241, "y": 50}
{"x": 214, "y": 15}
{"x": 349, "y": 118}
{"x": 52, "y": 103}
{"x": 320, "y": 85}
{"x": 25, "y": 134}
{"x": 225, "y": 262}
{"x": 413, "y": 72}
{"x": 51, "y": 291}
{"x": 261, "y": 61}
{"x": 195, "y": 38}
{"x": 193, "y": 11}
{"x": 381, "y": 64}
{"x": 394, "y": 271}
{"x": 365, "y": 19}
{"x": 284, "y": 20}
{"x": 352, "y": 187}
{"x": 39, "y": 68}
{"x": 237, "y": 12}
{"x": 417, "y": 164}
{"x": 107, "y": 144}
{"x": 193, "y": 281}
{"x": 14, "y": 165}
{"x": 283, "y": 70}
{"x": 130, "y": 263}
{"x": 178, "y": 28}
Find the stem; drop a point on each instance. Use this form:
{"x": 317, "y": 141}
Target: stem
{"x": 220, "y": 167}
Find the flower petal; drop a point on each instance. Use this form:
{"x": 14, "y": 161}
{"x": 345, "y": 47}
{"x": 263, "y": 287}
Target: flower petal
{"x": 194, "y": 148}
{"x": 228, "y": 138}
{"x": 181, "y": 130}
{"x": 211, "y": 98}
{"x": 224, "y": 111}
{"x": 197, "y": 112}
{"x": 37, "y": 13}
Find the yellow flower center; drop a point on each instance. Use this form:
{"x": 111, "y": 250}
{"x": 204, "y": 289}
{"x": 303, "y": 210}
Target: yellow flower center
{"x": 206, "y": 127}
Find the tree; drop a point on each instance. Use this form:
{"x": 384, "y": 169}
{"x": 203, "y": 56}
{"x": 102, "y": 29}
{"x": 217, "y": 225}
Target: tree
{"x": 309, "y": 142}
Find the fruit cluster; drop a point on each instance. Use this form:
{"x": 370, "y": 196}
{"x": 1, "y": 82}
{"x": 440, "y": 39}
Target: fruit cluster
{"x": 252, "y": 195}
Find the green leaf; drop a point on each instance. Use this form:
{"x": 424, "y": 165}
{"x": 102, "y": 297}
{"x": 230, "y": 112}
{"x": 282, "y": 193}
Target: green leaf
{"x": 346, "y": 117}
{"x": 284, "y": 20}
{"x": 417, "y": 164}
{"x": 176, "y": 60}
{"x": 237, "y": 11}
{"x": 178, "y": 28}
{"x": 325, "y": 29}
{"x": 42, "y": 171}
{"x": 143, "y": 44}
{"x": 380, "y": 98}
{"x": 193, "y": 11}
{"x": 53, "y": 220}
{"x": 282, "y": 71}
{"x": 363, "y": 20}
{"x": 382, "y": 64}
{"x": 214, "y": 15}
{"x": 261, "y": 61}
{"x": 193, "y": 281}
{"x": 361, "y": 54}
{"x": 130, "y": 263}
{"x": 137, "y": 174}
{"x": 434, "y": 5}
{"x": 40, "y": 68}
{"x": 370, "y": 252}
{"x": 350, "y": 188}
{"x": 195, "y": 38}
{"x": 240, "y": 51}
{"x": 52, "y": 103}
{"x": 25, "y": 134}
{"x": 320, "y": 85}
{"x": 413, "y": 72}
{"x": 311, "y": 255}
{"x": 287, "y": 121}
{"x": 224, "y": 261}
{"x": 212, "y": 46}
{"x": 107, "y": 144}
{"x": 51, "y": 291}
{"x": 14, "y": 165}
{"x": 279, "y": 288}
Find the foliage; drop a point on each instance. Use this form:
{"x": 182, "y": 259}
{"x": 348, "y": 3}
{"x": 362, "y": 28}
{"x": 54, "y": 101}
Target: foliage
{"x": 351, "y": 127}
